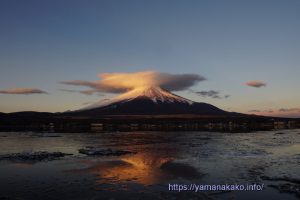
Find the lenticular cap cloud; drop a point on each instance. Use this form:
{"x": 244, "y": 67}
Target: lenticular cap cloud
{"x": 120, "y": 82}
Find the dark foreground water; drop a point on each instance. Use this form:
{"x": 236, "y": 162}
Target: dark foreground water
{"x": 159, "y": 158}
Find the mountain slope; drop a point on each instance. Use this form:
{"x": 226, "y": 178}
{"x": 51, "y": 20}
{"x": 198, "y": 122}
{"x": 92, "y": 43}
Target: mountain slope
{"x": 155, "y": 94}
{"x": 149, "y": 101}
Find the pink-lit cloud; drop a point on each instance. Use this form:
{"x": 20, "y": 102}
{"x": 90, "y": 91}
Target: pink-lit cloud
{"x": 289, "y": 110}
{"x": 121, "y": 82}
{"x": 256, "y": 84}
{"x": 282, "y": 112}
{"x": 26, "y": 91}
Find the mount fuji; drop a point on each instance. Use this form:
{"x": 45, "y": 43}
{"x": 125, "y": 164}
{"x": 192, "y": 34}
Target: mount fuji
{"x": 149, "y": 101}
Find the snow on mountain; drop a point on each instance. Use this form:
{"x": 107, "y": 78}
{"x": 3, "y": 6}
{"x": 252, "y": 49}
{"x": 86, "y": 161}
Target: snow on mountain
{"x": 155, "y": 94}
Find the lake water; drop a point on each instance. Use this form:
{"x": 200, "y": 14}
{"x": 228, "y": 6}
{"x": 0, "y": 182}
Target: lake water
{"x": 158, "y": 159}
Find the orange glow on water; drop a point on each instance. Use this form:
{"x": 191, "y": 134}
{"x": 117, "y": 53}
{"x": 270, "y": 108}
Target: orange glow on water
{"x": 140, "y": 168}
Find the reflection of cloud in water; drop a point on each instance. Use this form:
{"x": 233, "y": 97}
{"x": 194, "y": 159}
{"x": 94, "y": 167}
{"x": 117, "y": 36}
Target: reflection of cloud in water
{"x": 143, "y": 168}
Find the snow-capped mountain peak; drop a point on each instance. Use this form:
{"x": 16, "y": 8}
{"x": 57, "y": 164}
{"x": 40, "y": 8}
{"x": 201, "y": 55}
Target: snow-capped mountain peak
{"x": 153, "y": 93}
{"x": 157, "y": 94}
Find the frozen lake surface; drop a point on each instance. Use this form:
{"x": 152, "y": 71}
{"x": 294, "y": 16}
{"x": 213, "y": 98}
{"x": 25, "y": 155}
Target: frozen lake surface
{"x": 141, "y": 165}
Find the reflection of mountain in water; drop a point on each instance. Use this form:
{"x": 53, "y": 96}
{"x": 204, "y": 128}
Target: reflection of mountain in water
{"x": 143, "y": 168}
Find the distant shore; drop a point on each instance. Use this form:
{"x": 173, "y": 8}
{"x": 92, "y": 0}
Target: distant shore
{"x": 48, "y": 122}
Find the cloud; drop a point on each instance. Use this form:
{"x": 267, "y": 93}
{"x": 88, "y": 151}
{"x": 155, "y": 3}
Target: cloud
{"x": 86, "y": 92}
{"x": 261, "y": 111}
{"x": 87, "y": 103}
{"x": 289, "y": 110}
{"x": 26, "y": 91}
{"x": 282, "y": 112}
{"x": 80, "y": 83}
{"x": 211, "y": 93}
{"x": 256, "y": 84}
{"x": 254, "y": 111}
{"x": 121, "y": 82}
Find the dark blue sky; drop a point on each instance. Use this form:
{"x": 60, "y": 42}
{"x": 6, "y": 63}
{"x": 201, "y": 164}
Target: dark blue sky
{"x": 228, "y": 42}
